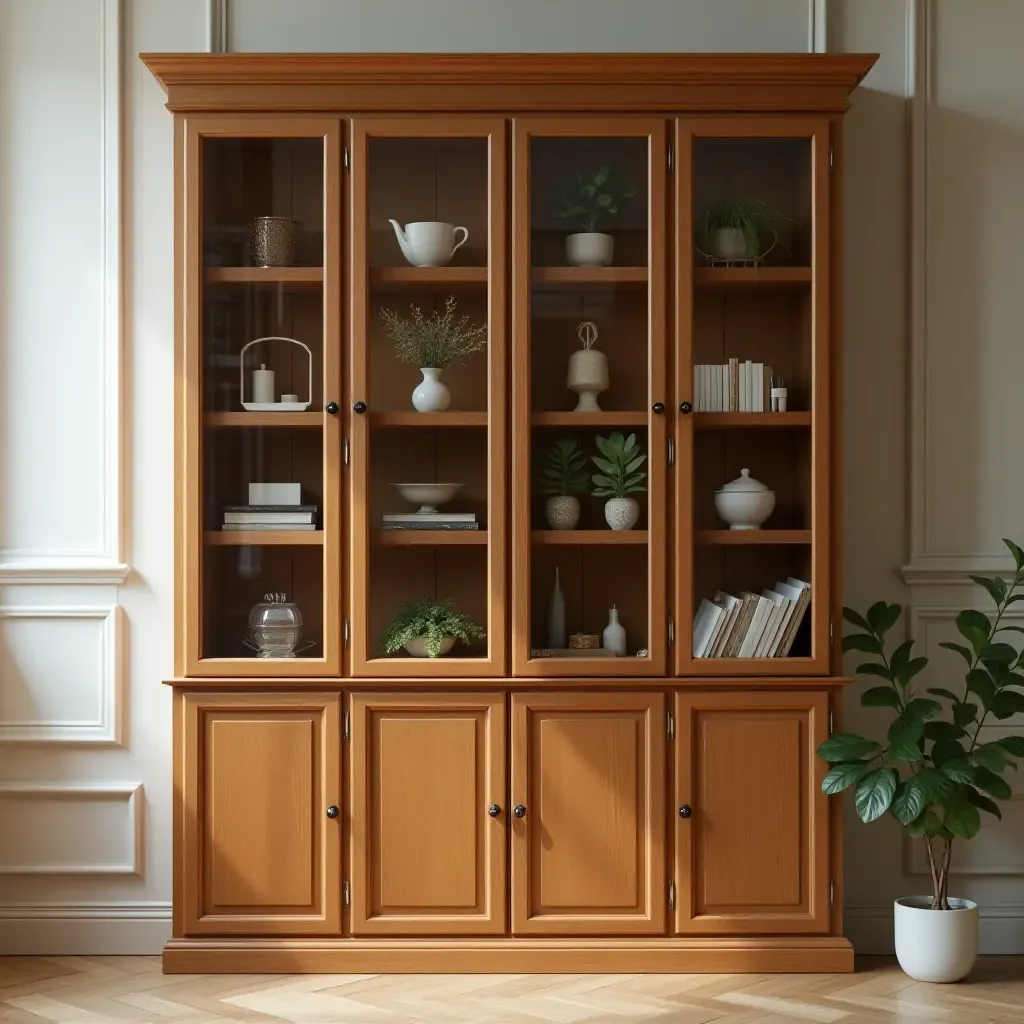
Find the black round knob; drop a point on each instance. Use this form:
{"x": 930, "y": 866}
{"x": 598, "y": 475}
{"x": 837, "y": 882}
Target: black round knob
{"x": 658, "y": 408}
{"x": 685, "y": 811}
{"x": 359, "y": 407}
{"x": 332, "y": 407}
{"x": 494, "y": 810}
{"x": 685, "y": 407}
{"x": 519, "y": 810}
{"x": 332, "y": 811}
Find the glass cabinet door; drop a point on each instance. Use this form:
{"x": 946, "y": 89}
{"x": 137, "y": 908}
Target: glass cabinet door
{"x": 428, "y": 397}
{"x": 261, "y": 460}
{"x": 752, "y": 380}
{"x": 590, "y": 394}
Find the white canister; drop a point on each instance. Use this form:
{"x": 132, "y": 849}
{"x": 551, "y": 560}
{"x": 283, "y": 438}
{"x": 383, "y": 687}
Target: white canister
{"x": 745, "y": 503}
{"x": 588, "y": 377}
{"x": 263, "y": 385}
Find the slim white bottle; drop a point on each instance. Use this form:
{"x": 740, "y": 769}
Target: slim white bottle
{"x": 556, "y": 617}
{"x": 614, "y": 636}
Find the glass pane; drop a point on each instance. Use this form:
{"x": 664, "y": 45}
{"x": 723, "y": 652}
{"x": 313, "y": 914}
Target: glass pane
{"x": 589, "y": 358}
{"x": 262, "y": 393}
{"x": 428, "y": 367}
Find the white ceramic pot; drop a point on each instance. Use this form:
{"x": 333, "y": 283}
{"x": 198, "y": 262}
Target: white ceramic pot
{"x": 728, "y": 244}
{"x": 418, "y": 649}
{"x": 589, "y": 249}
{"x": 562, "y": 511}
{"x": 744, "y": 503}
{"x": 621, "y": 513}
{"x": 936, "y": 945}
{"x": 431, "y": 394}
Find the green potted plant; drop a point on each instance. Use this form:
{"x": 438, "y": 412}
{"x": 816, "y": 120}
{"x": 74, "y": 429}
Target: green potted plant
{"x": 620, "y": 476}
{"x": 431, "y": 344}
{"x": 584, "y": 201}
{"x": 564, "y": 476}
{"x": 935, "y": 772}
{"x": 740, "y": 230}
{"x": 427, "y": 629}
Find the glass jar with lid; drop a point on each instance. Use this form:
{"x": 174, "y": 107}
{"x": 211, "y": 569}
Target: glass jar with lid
{"x": 275, "y": 627}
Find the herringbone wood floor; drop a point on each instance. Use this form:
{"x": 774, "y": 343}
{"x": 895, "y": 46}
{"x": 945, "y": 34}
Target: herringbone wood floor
{"x": 98, "y": 990}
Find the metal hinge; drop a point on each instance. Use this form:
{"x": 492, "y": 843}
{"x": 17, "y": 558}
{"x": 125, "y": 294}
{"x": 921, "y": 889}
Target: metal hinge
{"x": 671, "y": 451}
{"x": 831, "y": 633}
{"x": 344, "y": 450}
{"x": 671, "y": 895}
{"x": 344, "y": 632}
{"x": 671, "y": 631}
{"x": 346, "y": 894}
{"x": 671, "y": 160}
{"x": 831, "y": 892}
{"x": 346, "y": 726}
{"x": 670, "y": 724}
{"x": 344, "y": 159}
{"x": 831, "y": 158}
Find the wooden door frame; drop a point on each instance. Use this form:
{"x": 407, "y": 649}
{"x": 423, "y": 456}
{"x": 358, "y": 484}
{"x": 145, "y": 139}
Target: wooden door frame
{"x": 190, "y": 429}
{"x": 619, "y": 127}
{"x": 494, "y": 131}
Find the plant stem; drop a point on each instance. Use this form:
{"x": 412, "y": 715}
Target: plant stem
{"x": 944, "y": 875}
{"x": 935, "y": 878}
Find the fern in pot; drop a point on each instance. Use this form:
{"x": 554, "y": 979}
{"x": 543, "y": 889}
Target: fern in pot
{"x": 427, "y": 629}
{"x": 586, "y": 200}
{"x": 620, "y": 476}
{"x": 564, "y": 476}
{"x": 935, "y": 772}
{"x": 740, "y": 230}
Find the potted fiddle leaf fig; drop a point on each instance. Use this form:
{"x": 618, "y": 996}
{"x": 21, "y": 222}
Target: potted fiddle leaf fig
{"x": 935, "y": 771}
{"x": 591, "y": 196}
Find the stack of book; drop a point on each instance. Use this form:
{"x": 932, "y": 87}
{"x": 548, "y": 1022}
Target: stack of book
{"x": 269, "y": 517}
{"x": 732, "y": 387}
{"x": 751, "y": 625}
{"x": 429, "y": 521}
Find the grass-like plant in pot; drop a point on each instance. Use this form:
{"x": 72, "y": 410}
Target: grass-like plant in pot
{"x": 587, "y": 199}
{"x": 564, "y": 476}
{"x": 428, "y": 629}
{"x": 740, "y": 230}
{"x": 935, "y": 772}
{"x": 432, "y": 343}
{"x": 619, "y": 462}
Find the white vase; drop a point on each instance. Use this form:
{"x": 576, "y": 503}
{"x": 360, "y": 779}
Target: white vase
{"x": 556, "y": 617}
{"x": 562, "y": 511}
{"x": 621, "y": 513}
{"x": 418, "y": 648}
{"x": 431, "y": 394}
{"x": 588, "y": 377}
{"x": 935, "y": 945}
{"x": 729, "y": 245}
{"x": 589, "y": 249}
{"x": 614, "y": 636}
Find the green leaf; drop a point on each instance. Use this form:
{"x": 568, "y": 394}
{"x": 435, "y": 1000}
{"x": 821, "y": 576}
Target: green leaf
{"x": 939, "y": 692}
{"x": 975, "y": 627}
{"x": 909, "y": 802}
{"x": 980, "y": 682}
{"x": 992, "y": 783}
{"x": 991, "y": 756}
{"x": 847, "y": 746}
{"x": 964, "y": 714}
{"x": 1013, "y": 745}
{"x": 920, "y": 709}
{"x": 934, "y": 785}
{"x": 961, "y": 650}
{"x": 943, "y": 731}
{"x": 904, "y": 747}
{"x": 902, "y": 730}
{"x": 901, "y": 656}
{"x": 1001, "y": 652}
{"x": 983, "y": 802}
{"x": 928, "y": 824}
{"x": 946, "y": 750}
{"x": 871, "y": 668}
{"x": 910, "y": 670}
{"x": 959, "y": 769}
{"x": 880, "y": 697}
{"x": 861, "y": 642}
{"x": 842, "y": 776}
{"x": 875, "y": 793}
{"x": 1006, "y": 703}
{"x": 882, "y": 617}
{"x": 1009, "y": 629}
{"x": 1018, "y": 554}
{"x": 994, "y": 585}
{"x": 856, "y": 619}
{"x": 962, "y": 819}
{"x": 998, "y": 670}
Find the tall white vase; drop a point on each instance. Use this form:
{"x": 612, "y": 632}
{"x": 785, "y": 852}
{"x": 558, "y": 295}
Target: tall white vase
{"x": 431, "y": 394}
{"x": 556, "y": 617}
{"x": 614, "y": 636}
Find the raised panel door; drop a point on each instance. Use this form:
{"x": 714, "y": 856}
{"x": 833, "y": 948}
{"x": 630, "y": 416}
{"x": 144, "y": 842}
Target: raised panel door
{"x": 588, "y": 818}
{"x": 751, "y": 822}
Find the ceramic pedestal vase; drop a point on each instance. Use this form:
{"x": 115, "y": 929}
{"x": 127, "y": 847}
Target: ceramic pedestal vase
{"x": 589, "y": 249}
{"x": 588, "y": 369}
{"x": 621, "y": 513}
{"x": 562, "y": 512}
{"x": 556, "y": 617}
{"x": 614, "y": 636}
{"x": 431, "y": 394}
{"x": 936, "y": 945}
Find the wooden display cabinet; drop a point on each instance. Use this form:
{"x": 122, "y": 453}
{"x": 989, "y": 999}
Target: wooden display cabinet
{"x": 525, "y": 802}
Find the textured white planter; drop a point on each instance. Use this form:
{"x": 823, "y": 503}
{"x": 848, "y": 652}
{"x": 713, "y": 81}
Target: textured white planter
{"x": 621, "y": 513}
{"x": 431, "y": 394}
{"x": 562, "y": 512}
{"x": 589, "y": 249}
{"x": 728, "y": 244}
{"x": 418, "y": 649}
{"x": 936, "y": 945}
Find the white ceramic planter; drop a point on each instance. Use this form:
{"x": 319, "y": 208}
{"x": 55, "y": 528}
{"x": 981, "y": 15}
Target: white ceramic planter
{"x": 621, "y": 513}
{"x": 936, "y": 945}
{"x": 418, "y": 649}
{"x": 728, "y": 244}
{"x": 589, "y": 249}
{"x": 562, "y": 511}
{"x": 431, "y": 394}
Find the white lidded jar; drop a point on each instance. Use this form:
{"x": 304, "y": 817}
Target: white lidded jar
{"x": 744, "y": 503}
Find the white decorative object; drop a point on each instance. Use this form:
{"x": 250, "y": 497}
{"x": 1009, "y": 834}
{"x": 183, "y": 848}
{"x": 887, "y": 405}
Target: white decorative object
{"x": 263, "y": 385}
{"x": 588, "y": 369}
{"x": 261, "y": 404}
{"x": 429, "y": 243}
{"x": 562, "y": 511}
{"x": 936, "y": 945}
{"x": 428, "y": 496}
{"x": 275, "y": 494}
{"x": 745, "y": 503}
{"x": 418, "y": 648}
{"x": 621, "y": 513}
{"x": 779, "y": 397}
{"x": 614, "y": 636}
{"x": 556, "y": 616}
{"x": 589, "y": 249}
{"x": 728, "y": 245}
{"x": 286, "y": 399}
{"x": 431, "y": 394}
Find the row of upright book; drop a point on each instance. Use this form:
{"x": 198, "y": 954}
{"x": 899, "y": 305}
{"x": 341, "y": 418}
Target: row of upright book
{"x": 752, "y": 625}
{"x": 732, "y": 387}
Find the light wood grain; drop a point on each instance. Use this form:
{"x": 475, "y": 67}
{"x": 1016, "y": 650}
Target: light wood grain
{"x": 588, "y": 537}
{"x": 750, "y": 420}
{"x": 751, "y": 277}
{"x": 742, "y": 538}
{"x": 264, "y": 275}
{"x": 273, "y": 420}
{"x": 589, "y": 419}
{"x": 264, "y": 538}
{"x": 408, "y": 538}
{"x": 589, "y": 277}
{"x": 428, "y": 277}
{"x": 428, "y": 420}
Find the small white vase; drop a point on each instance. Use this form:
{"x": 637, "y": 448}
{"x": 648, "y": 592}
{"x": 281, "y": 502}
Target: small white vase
{"x": 589, "y": 249}
{"x": 614, "y": 636}
{"x": 621, "y": 513}
{"x": 431, "y": 394}
{"x": 588, "y": 377}
{"x": 418, "y": 648}
{"x": 935, "y": 945}
{"x": 562, "y": 511}
{"x": 728, "y": 244}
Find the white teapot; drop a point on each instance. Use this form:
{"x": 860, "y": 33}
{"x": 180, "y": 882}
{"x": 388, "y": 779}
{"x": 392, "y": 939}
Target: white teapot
{"x": 429, "y": 243}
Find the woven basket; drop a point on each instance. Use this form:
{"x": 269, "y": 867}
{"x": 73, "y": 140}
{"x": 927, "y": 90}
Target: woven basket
{"x": 584, "y": 642}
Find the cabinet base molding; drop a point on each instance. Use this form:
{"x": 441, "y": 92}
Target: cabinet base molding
{"x": 806, "y": 955}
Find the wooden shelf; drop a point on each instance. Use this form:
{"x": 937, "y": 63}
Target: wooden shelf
{"x": 428, "y": 277}
{"x": 589, "y": 419}
{"x": 751, "y": 277}
{"x": 745, "y": 420}
{"x": 588, "y": 537}
{"x": 743, "y": 538}
{"x": 265, "y": 275}
{"x": 429, "y": 420}
{"x": 441, "y": 538}
{"x": 590, "y": 277}
{"x": 264, "y": 538}
{"x": 263, "y": 419}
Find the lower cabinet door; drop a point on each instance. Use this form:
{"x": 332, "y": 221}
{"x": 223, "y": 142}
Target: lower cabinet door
{"x": 259, "y": 784}
{"x": 428, "y": 832}
{"x": 588, "y": 822}
{"x": 752, "y": 847}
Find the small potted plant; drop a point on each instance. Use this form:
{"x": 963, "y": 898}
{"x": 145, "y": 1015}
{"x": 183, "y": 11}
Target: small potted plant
{"x": 565, "y": 476}
{"x": 584, "y": 201}
{"x": 740, "y": 230}
{"x": 935, "y": 772}
{"x": 620, "y": 476}
{"x": 431, "y": 344}
{"x": 426, "y": 629}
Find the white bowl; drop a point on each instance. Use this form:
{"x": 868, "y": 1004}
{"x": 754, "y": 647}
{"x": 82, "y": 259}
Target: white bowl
{"x": 428, "y": 496}
{"x": 744, "y": 510}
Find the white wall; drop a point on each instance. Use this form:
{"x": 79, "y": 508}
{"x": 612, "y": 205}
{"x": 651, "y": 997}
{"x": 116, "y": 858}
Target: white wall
{"x": 85, "y": 551}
